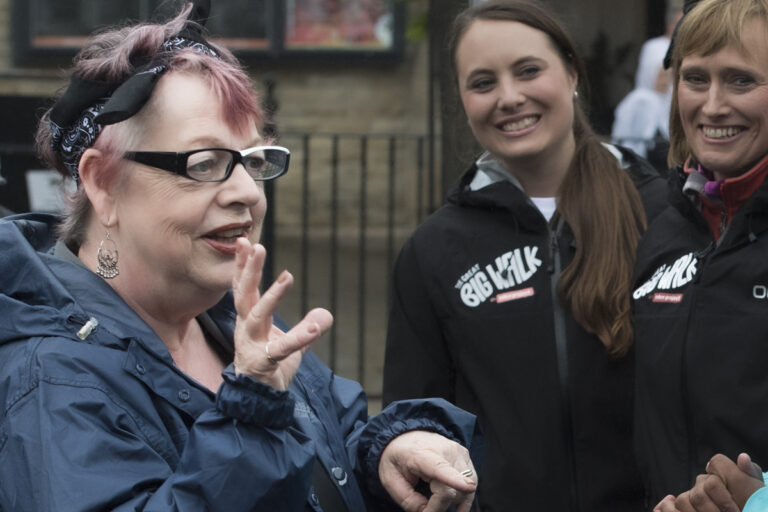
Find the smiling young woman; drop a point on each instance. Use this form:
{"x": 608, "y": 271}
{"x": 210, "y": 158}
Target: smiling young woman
{"x": 518, "y": 96}
{"x": 512, "y": 300}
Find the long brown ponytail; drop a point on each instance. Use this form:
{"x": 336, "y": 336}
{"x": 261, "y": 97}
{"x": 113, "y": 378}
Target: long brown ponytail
{"x": 603, "y": 209}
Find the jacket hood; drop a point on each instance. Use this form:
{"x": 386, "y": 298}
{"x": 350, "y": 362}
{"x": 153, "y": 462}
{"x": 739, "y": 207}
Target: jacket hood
{"x": 42, "y": 295}
{"x": 508, "y": 196}
{"x": 501, "y": 195}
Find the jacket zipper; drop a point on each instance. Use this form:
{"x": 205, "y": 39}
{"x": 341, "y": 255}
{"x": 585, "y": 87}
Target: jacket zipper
{"x": 703, "y": 258}
{"x": 723, "y": 221}
{"x": 561, "y": 347}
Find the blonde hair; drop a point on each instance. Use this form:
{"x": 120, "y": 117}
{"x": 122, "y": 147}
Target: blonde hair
{"x": 706, "y": 29}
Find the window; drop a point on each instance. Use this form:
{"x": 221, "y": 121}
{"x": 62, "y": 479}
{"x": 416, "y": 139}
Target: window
{"x": 51, "y": 31}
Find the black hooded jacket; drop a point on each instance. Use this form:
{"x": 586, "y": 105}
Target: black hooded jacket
{"x": 701, "y": 317}
{"x": 475, "y": 319}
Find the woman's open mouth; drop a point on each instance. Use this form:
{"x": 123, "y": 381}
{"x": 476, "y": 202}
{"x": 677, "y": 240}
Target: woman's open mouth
{"x": 721, "y": 133}
{"x": 520, "y": 125}
{"x": 223, "y": 240}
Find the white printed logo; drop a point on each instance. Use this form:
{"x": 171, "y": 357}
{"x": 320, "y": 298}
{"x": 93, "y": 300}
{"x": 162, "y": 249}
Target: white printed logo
{"x": 669, "y": 277}
{"x": 510, "y": 269}
{"x": 760, "y": 292}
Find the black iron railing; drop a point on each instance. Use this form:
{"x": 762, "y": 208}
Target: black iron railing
{"x": 376, "y": 188}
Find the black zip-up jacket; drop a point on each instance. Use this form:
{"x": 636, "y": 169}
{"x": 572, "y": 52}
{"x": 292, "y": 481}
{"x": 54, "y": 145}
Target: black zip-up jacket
{"x": 475, "y": 320}
{"x": 701, "y": 317}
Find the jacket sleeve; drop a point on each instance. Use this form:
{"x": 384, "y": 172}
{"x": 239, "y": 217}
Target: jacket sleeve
{"x": 758, "y": 502}
{"x": 73, "y": 445}
{"x": 366, "y": 437}
{"x": 433, "y": 415}
{"x": 417, "y": 360}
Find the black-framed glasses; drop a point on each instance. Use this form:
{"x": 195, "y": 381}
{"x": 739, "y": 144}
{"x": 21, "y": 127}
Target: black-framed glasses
{"x": 216, "y": 164}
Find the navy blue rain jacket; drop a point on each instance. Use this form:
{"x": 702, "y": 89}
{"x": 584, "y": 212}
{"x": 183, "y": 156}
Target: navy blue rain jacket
{"x": 108, "y": 422}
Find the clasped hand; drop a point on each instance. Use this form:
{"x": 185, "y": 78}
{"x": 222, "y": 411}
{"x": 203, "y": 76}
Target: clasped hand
{"x": 725, "y": 487}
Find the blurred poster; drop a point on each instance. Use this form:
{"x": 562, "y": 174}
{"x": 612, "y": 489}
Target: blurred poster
{"x": 243, "y": 24}
{"x": 339, "y": 24}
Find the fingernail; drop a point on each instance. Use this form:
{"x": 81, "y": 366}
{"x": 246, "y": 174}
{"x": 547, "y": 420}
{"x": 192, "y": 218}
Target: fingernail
{"x": 284, "y": 275}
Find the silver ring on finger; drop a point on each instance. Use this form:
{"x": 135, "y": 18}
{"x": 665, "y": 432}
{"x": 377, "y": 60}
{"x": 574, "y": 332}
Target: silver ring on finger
{"x": 271, "y": 359}
{"x": 467, "y": 472}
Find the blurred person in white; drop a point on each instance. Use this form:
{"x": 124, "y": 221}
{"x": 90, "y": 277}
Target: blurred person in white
{"x": 641, "y": 120}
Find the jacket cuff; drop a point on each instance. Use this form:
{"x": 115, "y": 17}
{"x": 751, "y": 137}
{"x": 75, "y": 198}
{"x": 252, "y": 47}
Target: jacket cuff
{"x": 248, "y": 400}
{"x": 758, "y": 501}
{"x": 387, "y": 434}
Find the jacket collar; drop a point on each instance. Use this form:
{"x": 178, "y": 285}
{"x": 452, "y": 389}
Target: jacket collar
{"x": 53, "y": 296}
{"x": 497, "y": 194}
{"x": 749, "y": 222}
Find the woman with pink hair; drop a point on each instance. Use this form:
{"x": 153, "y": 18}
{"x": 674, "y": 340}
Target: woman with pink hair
{"x": 140, "y": 366}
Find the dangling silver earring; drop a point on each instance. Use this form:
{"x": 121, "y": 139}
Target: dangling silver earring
{"x": 106, "y": 259}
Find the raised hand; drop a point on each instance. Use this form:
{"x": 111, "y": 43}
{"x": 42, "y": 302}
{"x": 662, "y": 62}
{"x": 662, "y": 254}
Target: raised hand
{"x": 263, "y": 351}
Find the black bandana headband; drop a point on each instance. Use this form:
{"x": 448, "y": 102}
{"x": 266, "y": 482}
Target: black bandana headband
{"x": 79, "y": 116}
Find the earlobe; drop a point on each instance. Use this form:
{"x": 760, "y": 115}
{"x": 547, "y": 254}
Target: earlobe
{"x": 574, "y": 78}
{"x": 97, "y": 186}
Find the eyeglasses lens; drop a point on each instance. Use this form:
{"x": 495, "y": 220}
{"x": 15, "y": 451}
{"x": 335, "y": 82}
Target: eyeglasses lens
{"x": 265, "y": 164}
{"x": 208, "y": 165}
{"x": 212, "y": 165}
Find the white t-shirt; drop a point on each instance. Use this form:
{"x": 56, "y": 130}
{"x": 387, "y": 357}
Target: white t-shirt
{"x": 546, "y": 205}
{"x": 491, "y": 171}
